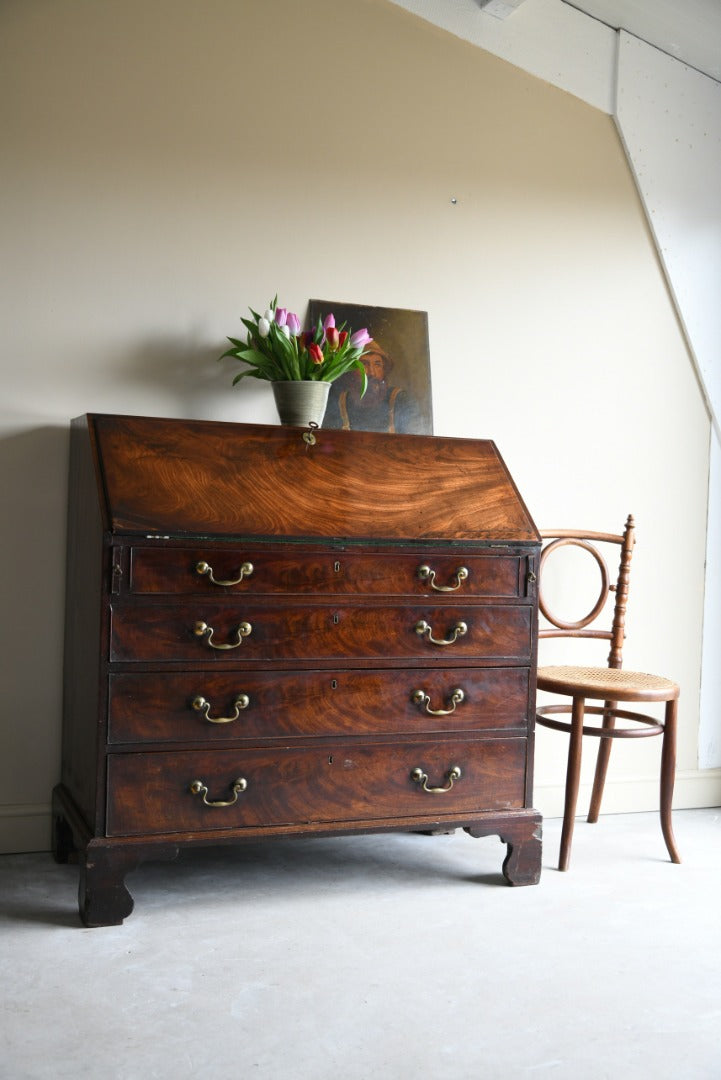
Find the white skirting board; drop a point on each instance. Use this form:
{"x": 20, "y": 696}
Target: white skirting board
{"x": 693, "y": 788}
{"x": 28, "y": 828}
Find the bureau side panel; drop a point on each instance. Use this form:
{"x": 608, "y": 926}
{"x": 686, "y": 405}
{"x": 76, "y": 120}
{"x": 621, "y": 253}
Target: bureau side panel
{"x": 82, "y": 719}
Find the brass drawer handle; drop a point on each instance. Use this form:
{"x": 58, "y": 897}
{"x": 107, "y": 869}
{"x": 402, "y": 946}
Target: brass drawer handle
{"x": 422, "y": 700}
{"x": 199, "y": 788}
{"x": 201, "y": 705}
{"x": 425, "y": 629}
{"x": 419, "y": 777}
{"x": 203, "y": 568}
{"x": 426, "y": 574}
{"x": 202, "y": 630}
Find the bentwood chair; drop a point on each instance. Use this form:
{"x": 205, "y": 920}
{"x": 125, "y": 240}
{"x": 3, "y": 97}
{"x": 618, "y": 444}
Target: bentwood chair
{"x": 611, "y": 685}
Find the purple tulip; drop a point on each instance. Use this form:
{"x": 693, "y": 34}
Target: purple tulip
{"x": 293, "y": 323}
{"x": 281, "y": 316}
{"x": 328, "y": 321}
{"x": 360, "y": 339}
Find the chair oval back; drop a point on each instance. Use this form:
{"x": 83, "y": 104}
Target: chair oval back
{"x": 579, "y": 624}
{"x": 588, "y": 541}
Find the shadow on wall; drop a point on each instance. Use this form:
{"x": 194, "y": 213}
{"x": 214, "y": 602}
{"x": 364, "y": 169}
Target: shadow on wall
{"x": 33, "y": 490}
{"x": 168, "y": 376}
{"x": 173, "y": 376}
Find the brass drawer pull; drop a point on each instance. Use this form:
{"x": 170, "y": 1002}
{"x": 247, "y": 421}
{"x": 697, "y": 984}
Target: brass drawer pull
{"x": 425, "y": 629}
{"x": 199, "y": 788}
{"x": 419, "y": 777}
{"x": 426, "y": 574}
{"x": 422, "y": 700}
{"x": 201, "y": 705}
{"x": 202, "y": 630}
{"x": 203, "y": 568}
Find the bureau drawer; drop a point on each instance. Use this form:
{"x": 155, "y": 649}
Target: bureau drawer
{"x": 244, "y": 632}
{"x": 152, "y": 793}
{"x": 213, "y": 706}
{"x": 246, "y": 571}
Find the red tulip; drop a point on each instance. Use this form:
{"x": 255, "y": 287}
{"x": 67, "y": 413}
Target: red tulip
{"x": 332, "y": 337}
{"x": 315, "y": 353}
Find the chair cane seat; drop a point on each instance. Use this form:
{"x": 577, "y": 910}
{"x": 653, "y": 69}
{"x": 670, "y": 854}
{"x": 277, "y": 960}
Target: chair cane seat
{"x": 606, "y": 684}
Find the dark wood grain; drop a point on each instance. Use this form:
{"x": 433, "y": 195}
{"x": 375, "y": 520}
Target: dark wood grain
{"x": 197, "y": 477}
{"x": 158, "y": 707}
{"x": 305, "y": 572}
{"x": 343, "y": 697}
{"x": 314, "y": 632}
{"x": 150, "y": 793}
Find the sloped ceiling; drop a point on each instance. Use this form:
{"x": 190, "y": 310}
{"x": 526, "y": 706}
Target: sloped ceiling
{"x": 688, "y": 30}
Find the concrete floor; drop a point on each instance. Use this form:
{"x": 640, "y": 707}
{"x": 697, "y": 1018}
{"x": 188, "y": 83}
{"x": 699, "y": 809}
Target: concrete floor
{"x": 382, "y": 956}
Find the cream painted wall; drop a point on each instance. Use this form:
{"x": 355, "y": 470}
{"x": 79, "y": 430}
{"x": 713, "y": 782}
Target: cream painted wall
{"x": 168, "y": 164}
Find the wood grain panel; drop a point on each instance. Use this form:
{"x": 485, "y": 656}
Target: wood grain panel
{"x": 305, "y": 631}
{"x": 151, "y": 792}
{"x": 158, "y": 707}
{"x": 296, "y": 571}
{"x": 201, "y": 478}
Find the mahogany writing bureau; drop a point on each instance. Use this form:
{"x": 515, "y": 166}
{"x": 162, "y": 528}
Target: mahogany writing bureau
{"x": 273, "y": 632}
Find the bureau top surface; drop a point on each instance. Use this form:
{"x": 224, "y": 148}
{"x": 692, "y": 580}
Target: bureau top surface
{"x": 203, "y": 478}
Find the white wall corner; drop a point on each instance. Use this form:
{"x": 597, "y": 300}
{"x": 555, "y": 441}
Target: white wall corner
{"x": 669, "y": 119}
{"x": 546, "y": 38}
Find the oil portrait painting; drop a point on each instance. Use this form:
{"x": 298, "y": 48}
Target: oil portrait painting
{"x": 397, "y": 363}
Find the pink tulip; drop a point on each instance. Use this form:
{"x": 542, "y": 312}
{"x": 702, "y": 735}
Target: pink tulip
{"x": 281, "y": 316}
{"x": 293, "y": 323}
{"x": 360, "y": 339}
{"x": 328, "y": 321}
{"x": 315, "y": 353}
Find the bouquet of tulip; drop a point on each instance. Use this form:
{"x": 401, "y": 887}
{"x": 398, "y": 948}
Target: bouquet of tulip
{"x": 278, "y": 350}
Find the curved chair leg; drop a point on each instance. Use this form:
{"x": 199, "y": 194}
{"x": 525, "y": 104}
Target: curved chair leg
{"x": 573, "y": 776}
{"x": 604, "y": 753}
{"x": 668, "y": 773}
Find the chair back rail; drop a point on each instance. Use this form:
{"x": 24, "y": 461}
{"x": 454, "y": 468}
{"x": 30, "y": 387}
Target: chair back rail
{"x": 579, "y": 628}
